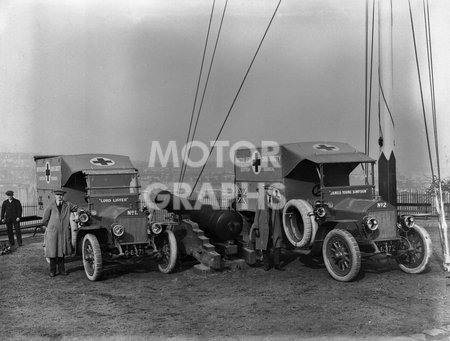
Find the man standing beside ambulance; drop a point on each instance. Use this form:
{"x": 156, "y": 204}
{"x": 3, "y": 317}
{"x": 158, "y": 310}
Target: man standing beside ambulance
{"x": 57, "y": 237}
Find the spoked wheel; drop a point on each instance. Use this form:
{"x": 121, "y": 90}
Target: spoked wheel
{"x": 167, "y": 246}
{"x": 92, "y": 257}
{"x": 341, "y": 255}
{"x": 418, "y": 242}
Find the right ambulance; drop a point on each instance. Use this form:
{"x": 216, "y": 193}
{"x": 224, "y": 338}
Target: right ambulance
{"x": 329, "y": 205}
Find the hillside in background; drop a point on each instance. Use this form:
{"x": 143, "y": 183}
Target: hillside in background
{"x": 17, "y": 173}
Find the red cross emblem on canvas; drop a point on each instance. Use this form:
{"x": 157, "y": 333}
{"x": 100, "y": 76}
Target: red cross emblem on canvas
{"x": 102, "y": 161}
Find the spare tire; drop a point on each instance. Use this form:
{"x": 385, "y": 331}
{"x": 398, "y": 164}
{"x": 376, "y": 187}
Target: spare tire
{"x": 298, "y": 225}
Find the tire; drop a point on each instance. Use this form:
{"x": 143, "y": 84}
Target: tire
{"x": 419, "y": 240}
{"x": 92, "y": 257}
{"x": 299, "y": 227}
{"x": 341, "y": 255}
{"x": 167, "y": 245}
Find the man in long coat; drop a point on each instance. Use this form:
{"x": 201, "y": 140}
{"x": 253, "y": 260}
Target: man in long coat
{"x": 57, "y": 237}
{"x": 268, "y": 226}
{"x": 11, "y": 214}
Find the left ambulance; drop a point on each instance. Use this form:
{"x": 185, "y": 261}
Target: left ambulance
{"x": 109, "y": 225}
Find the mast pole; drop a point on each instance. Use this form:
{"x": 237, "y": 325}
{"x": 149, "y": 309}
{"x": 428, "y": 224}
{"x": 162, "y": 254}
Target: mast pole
{"x": 387, "y": 170}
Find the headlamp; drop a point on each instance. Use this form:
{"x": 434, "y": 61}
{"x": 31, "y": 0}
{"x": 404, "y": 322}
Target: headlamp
{"x": 156, "y": 228}
{"x": 83, "y": 218}
{"x": 118, "y": 230}
{"x": 407, "y": 221}
{"x": 370, "y": 223}
{"x": 320, "y": 212}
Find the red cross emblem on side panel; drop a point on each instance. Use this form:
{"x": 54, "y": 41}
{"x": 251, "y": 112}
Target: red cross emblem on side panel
{"x": 102, "y": 161}
{"x": 47, "y": 172}
{"x": 256, "y": 163}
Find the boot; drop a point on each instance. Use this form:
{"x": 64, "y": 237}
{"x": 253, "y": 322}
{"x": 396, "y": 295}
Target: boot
{"x": 52, "y": 267}
{"x": 266, "y": 260}
{"x": 277, "y": 259}
{"x": 61, "y": 267}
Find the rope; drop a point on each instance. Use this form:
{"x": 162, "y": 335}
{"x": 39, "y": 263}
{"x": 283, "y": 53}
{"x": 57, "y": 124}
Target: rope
{"x": 206, "y": 83}
{"x": 421, "y": 91}
{"x": 385, "y": 103}
{"x": 196, "y": 92}
{"x": 236, "y": 96}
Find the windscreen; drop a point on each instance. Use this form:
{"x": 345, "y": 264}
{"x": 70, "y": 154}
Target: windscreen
{"x": 347, "y": 174}
{"x": 113, "y": 184}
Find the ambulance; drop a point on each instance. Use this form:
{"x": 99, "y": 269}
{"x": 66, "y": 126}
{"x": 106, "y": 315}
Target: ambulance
{"x": 109, "y": 224}
{"x": 326, "y": 194}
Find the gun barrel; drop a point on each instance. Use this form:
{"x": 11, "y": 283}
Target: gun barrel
{"x": 218, "y": 224}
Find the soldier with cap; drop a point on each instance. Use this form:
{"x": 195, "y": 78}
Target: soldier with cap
{"x": 11, "y": 214}
{"x": 57, "y": 237}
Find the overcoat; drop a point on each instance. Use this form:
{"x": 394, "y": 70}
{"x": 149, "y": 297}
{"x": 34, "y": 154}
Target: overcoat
{"x": 268, "y": 222}
{"x": 11, "y": 210}
{"x": 57, "y": 238}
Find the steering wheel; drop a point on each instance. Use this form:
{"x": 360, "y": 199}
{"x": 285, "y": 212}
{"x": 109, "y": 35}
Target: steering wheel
{"x": 316, "y": 190}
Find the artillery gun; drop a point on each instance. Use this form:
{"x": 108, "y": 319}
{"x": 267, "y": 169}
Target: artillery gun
{"x": 211, "y": 235}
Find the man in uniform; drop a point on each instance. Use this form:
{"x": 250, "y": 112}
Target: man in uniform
{"x": 267, "y": 225}
{"x": 11, "y": 214}
{"x": 57, "y": 237}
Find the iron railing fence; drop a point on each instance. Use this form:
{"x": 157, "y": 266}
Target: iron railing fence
{"x": 420, "y": 203}
{"x": 408, "y": 202}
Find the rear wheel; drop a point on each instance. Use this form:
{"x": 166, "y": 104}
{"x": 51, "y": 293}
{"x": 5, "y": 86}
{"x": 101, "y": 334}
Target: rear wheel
{"x": 341, "y": 255}
{"x": 418, "y": 242}
{"x": 167, "y": 246}
{"x": 92, "y": 257}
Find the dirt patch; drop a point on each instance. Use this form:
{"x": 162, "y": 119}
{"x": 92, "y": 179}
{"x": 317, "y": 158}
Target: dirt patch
{"x": 139, "y": 302}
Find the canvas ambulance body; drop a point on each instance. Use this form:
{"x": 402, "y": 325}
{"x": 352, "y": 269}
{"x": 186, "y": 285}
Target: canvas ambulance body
{"x": 109, "y": 224}
{"x": 330, "y": 206}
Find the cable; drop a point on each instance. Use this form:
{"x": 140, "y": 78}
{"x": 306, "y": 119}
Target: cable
{"x": 198, "y": 86}
{"x": 421, "y": 91}
{"x": 206, "y": 84}
{"x": 431, "y": 79}
{"x": 237, "y": 95}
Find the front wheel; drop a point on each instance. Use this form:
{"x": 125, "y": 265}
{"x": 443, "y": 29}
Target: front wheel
{"x": 92, "y": 257}
{"x": 341, "y": 255}
{"x": 418, "y": 242}
{"x": 167, "y": 246}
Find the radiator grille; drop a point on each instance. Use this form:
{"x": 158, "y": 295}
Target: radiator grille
{"x": 135, "y": 230}
{"x": 387, "y": 224}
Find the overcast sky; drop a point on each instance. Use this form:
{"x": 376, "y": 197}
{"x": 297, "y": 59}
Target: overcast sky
{"x": 87, "y": 76}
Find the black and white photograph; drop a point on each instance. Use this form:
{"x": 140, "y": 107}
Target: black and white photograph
{"x": 224, "y": 170}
